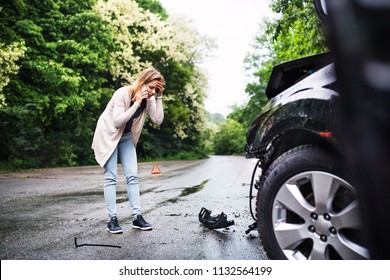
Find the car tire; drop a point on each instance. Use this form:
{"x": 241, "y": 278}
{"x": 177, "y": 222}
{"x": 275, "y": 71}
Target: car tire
{"x": 306, "y": 209}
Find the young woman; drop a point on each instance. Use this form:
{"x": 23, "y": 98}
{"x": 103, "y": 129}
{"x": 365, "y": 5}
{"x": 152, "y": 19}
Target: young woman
{"x": 117, "y": 132}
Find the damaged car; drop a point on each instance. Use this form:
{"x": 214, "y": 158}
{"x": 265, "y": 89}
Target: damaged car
{"x": 306, "y": 204}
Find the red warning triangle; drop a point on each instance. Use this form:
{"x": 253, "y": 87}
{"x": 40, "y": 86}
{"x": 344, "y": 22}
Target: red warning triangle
{"x": 156, "y": 170}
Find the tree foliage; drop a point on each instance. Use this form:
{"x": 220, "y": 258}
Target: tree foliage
{"x": 295, "y": 32}
{"x": 9, "y": 55}
{"x": 230, "y": 138}
{"x": 63, "y": 59}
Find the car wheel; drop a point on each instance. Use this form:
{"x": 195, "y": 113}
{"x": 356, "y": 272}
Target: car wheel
{"x": 306, "y": 209}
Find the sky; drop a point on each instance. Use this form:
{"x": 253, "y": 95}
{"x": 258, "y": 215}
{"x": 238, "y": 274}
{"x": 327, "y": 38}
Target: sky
{"x": 234, "y": 25}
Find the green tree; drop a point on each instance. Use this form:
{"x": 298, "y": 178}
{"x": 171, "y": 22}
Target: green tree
{"x": 52, "y": 102}
{"x": 230, "y": 139}
{"x": 75, "y": 54}
{"x": 175, "y": 48}
{"x": 9, "y": 56}
{"x": 296, "y": 33}
{"x": 154, "y": 6}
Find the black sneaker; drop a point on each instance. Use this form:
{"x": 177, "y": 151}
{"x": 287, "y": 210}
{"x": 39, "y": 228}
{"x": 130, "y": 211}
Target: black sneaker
{"x": 141, "y": 224}
{"x": 113, "y": 226}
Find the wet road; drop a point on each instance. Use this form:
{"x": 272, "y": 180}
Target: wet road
{"x": 43, "y": 211}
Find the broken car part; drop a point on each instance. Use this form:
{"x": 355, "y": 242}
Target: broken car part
{"x": 214, "y": 222}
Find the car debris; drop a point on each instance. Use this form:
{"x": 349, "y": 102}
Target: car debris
{"x": 76, "y": 245}
{"x": 214, "y": 222}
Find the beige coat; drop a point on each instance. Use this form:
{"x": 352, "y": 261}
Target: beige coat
{"x": 112, "y": 122}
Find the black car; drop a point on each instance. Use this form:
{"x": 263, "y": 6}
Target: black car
{"x": 306, "y": 205}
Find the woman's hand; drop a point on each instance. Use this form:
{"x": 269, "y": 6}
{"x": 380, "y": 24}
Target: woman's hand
{"x": 160, "y": 88}
{"x": 142, "y": 94}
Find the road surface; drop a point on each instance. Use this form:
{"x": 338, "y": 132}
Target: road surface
{"x": 42, "y": 212}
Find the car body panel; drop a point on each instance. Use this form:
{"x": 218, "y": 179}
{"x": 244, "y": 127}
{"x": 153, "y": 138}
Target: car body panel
{"x": 308, "y": 106}
{"x": 287, "y": 74}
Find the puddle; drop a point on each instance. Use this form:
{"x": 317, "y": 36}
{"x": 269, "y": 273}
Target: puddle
{"x": 172, "y": 200}
{"x": 78, "y": 194}
{"x": 184, "y": 192}
{"x": 194, "y": 189}
{"x": 148, "y": 190}
{"x": 121, "y": 200}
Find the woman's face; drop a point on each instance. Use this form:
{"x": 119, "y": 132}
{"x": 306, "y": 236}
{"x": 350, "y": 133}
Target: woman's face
{"x": 151, "y": 88}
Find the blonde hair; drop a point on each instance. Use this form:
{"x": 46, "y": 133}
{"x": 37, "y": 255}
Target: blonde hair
{"x": 145, "y": 77}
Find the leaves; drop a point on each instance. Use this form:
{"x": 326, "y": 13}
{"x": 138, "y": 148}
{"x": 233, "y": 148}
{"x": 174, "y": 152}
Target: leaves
{"x": 230, "y": 139}
{"x": 62, "y": 60}
{"x": 9, "y": 57}
{"x": 295, "y": 34}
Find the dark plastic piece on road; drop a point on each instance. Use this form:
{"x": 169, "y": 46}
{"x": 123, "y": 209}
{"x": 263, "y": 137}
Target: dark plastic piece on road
{"x": 251, "y": 227}
{"x": 214, "y": 222}
{"x": 101, "y": 245}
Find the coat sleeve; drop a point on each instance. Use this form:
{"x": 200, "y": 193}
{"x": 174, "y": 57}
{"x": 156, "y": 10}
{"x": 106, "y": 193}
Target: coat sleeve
{"x": 155, "y": 110}
{"x": 121, "y": 112}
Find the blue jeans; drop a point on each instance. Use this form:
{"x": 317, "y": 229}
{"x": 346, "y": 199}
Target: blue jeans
{"x": 128, "y": 157}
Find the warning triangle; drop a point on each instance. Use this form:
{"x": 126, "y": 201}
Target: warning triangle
{"x": 156, "y": 170}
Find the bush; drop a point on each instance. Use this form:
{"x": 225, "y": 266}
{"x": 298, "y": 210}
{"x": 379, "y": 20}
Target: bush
{"x": 230, "y": 139}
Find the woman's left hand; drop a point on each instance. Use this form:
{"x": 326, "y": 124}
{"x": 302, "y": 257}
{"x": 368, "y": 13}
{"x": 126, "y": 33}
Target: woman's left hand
{"x": 160, "y": 88}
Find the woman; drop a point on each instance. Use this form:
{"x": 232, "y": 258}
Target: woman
{"x": 117, "y": 132}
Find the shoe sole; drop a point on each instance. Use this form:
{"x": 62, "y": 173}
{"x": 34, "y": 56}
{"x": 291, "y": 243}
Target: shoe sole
{"x": 143, "y": 228}
{"x": 114, "y": 232}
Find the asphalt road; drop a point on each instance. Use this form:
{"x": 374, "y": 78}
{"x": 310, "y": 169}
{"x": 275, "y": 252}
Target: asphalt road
{"x": 43, "y": 211}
